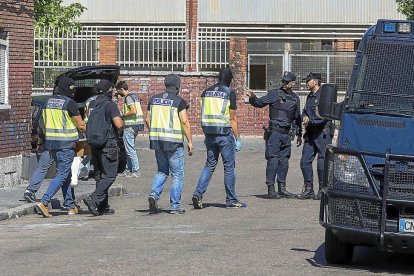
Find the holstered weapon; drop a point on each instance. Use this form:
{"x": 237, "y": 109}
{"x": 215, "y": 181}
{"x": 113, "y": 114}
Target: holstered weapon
{"x": 266, "y": 133}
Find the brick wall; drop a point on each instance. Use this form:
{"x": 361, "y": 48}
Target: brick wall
{"x": 192, "y": 24}
{"x": 16, "y": 18}
{"x": 107, "y": 55}
{"x": 192, "y": 85}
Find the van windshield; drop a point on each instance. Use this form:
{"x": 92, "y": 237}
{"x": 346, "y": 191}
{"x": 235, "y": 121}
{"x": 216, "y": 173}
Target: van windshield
{"x": 385, "y": 82}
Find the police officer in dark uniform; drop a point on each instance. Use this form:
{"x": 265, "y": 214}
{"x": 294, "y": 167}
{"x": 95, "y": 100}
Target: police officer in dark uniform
{"x": 318, "y": 134}
{"x": 284, "y": 110}
{"x": 105, "y": 159}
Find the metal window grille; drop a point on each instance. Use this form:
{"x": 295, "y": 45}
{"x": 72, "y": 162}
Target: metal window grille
{"x": 57, "y": 50}
{"x": 152, "y": 47}
{"x": 3, "y": 70}
{"x": 333, "y": 68}
{"x": 213, "y": 48}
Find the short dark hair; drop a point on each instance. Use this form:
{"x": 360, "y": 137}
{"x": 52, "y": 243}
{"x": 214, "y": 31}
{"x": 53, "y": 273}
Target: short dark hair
{"x": 121, "y": 84}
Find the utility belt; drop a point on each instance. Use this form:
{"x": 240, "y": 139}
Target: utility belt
{"x": 283, "y": 130}
{"x": 268, "y": 131}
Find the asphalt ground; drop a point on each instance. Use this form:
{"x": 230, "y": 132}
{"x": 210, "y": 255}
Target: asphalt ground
{"x": 269, "y": 237}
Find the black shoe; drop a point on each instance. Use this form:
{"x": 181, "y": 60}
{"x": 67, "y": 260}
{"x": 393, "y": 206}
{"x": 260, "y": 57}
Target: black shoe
{"x": 286, "y": 194}
{"x": 29, "y": 196}
{"x": 271, "y": 192}
{"x": 153, "y": 207}
{"x": 91, "y": 206}
{"x": 177, "y": 212}
{"x": 107, "y": 212}
{"x": 197, "y": 202}
{"x": 236, "y": 205}
{"x": 306, "y": 195}
{"x": 317, "y": 196}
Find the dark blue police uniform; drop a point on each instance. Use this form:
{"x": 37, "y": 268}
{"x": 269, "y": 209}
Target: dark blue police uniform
{"x": 317, "y": 135}
{"x": 284, "y": 110}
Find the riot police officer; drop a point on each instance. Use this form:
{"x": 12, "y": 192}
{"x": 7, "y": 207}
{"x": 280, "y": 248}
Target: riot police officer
{"x": 284, "y": 110}
{"x": 317, "y": 135}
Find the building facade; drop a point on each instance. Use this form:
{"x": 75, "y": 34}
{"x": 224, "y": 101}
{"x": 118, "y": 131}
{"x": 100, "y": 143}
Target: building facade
{"x": 16, "y": 67}
{"x": 258, "y": 39}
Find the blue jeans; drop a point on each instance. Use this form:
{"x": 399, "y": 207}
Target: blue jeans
{"x": 45, "y": 162}
{"x": 224, "y": 145}
{"x": 169, "y": 161}
{"x": 130, "y": 133}
{"x": 63, "y": 159}
{"x": 278, "y": 149}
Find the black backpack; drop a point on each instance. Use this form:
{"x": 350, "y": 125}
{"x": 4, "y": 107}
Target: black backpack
{"x": 98, "y": 128}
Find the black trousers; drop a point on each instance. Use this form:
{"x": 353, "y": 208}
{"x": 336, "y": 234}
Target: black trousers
{"x": 105, "y": 165}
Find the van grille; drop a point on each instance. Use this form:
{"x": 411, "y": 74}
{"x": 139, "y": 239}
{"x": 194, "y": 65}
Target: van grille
{"x": 344, "y": 212}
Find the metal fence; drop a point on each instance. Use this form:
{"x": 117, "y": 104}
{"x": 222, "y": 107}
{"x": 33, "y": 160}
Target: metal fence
{"x": 160, "y": 47}
{"x": 265, "y": 70}
{"x": 213, "y": 50}
{"x": 152, "y": 48}
{"x": 57, "y": 50}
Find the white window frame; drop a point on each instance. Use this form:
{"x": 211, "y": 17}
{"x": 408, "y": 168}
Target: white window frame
{"x": 5, "y": 105}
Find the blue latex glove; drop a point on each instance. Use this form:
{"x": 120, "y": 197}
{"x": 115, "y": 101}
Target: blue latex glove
{"x": 238, "y": 144}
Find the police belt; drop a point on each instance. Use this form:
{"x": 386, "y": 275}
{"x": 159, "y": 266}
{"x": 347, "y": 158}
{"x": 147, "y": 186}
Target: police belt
{"x": 283, "y": 130}
{"x": 317, "y": 128}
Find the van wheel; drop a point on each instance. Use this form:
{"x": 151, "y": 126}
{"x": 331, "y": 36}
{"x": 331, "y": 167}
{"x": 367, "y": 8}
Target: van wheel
{"x": 336, "y": 251}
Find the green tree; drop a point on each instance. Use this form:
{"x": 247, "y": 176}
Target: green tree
{"x": 406, "y": 7}
{"x": 52, "y": 13}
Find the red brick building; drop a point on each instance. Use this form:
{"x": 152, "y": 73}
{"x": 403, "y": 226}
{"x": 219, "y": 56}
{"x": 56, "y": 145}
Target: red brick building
{"x": 16, "y": 66}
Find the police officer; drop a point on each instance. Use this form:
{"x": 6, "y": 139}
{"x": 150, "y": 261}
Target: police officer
{"x": 105, "y": 158}
{"x": 167, "y": 121}
{"x": 134, "y": 122}
{"x": 284, "y": 109}
{"x": 60, "y": 122}
{"x": 317, "y": 136}
{"x": 219, "y": 123}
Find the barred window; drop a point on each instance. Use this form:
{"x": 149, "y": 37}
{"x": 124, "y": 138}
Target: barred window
{"x": 4, "y": 50}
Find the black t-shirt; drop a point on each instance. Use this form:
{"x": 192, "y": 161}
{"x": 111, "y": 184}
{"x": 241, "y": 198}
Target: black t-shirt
{"x": 73, "y": 108}
{"x": 233, "y": 100}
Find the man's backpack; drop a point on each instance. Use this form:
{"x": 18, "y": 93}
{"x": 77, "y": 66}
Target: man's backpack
{"x": 98, "y": 128}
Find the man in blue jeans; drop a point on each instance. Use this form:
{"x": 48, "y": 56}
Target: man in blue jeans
{"x": 61, "y": 121}
{"x": 167, "y": 121}
{"x": 134, "y": 122}
{"x": 219, "y": 123}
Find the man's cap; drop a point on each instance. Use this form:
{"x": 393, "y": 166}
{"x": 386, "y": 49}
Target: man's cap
{"x": 288, "y": 76}
{"x": 104, "y": 86}
{"x": 172, "y": 80}
{"x": 313, "y": 76}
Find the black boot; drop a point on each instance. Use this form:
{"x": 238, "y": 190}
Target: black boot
{"x": 307, "y": 192}
{"x": 318, "y": 195}
{"x": 283, "y": 192}
{"x": 271, "y": 192}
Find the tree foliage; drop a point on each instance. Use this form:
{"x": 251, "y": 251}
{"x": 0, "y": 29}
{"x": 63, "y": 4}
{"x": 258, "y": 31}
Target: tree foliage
{"x": 406, "y": 7}
{"x": 51, "y": 13}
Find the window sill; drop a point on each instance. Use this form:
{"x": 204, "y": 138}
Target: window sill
{"x": 5, "y": 106}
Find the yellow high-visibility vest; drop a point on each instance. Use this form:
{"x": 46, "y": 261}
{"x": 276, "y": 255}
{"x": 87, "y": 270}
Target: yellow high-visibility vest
{"x": 215, "y": 110}
{"x": 138, "y": 118}
{"x": 60, "y": 127}
{"x": 165, "y": 122}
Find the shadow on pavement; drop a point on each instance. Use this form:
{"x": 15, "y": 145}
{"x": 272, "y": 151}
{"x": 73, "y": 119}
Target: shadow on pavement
{"x": 366, "y": 259}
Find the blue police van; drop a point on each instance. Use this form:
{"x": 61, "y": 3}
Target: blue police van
{"x": 368, "y": 186}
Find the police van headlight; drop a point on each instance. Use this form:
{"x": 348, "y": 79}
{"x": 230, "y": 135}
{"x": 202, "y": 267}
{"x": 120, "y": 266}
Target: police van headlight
{"x": 348, "y": 169}
{"x": 404, "y": 28}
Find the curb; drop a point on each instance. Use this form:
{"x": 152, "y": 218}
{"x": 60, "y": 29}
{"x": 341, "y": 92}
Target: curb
{"x": 29, "y": 208}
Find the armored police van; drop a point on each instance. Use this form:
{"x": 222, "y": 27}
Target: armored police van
{"x": 368, "y": 187}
